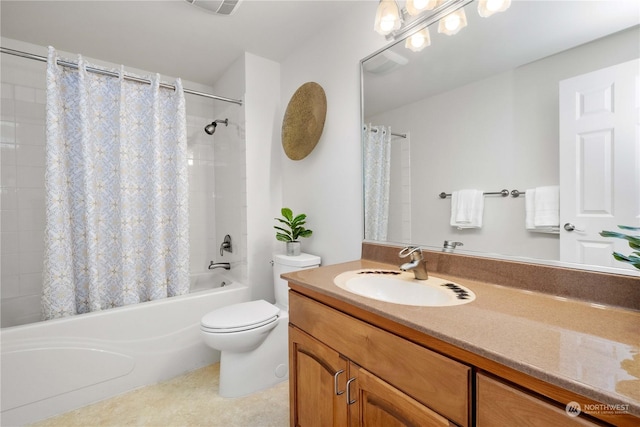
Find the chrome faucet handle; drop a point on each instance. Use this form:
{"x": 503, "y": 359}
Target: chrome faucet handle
{"x": 417, "y": 264}
{"x": 414, "y": 251}
{"x": 226, "y": 245}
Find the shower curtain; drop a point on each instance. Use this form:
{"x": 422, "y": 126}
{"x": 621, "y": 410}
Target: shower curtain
{"x": 377, "y": 166}
{"x": 116, "y": 183}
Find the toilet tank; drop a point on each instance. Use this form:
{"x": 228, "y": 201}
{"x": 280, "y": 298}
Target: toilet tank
{"x": 284, "y": 264}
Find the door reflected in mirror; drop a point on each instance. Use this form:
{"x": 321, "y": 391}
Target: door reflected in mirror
{"x": 481, "y": 110}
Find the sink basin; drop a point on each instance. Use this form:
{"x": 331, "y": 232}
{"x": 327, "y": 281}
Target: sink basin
{"x": 402, "y": 288}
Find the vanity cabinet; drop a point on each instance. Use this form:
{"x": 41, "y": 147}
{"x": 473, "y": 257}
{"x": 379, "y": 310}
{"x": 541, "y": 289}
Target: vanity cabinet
{"x": 343, "y": 369}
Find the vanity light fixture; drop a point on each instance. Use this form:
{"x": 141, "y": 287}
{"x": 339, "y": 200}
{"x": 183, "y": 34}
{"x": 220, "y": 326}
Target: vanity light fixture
{"x": 418, "y": 41}
{"x": 453, "y": 22}
{"x": 486, "y": 8}
{"x": 416, "y": 7}
{"x": 395, "y": 23}
{"x": 388, "y": 18}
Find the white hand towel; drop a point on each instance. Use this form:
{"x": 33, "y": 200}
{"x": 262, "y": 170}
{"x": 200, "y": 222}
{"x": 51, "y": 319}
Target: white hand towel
{"x": 529, "y": 209}
{"x": 547, "y": 206}
{"x": 539, "y": 205}
{"x": 467, "y": 207}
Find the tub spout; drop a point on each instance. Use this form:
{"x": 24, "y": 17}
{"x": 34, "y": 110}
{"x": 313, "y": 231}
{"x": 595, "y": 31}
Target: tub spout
{"x": 224, "y": 265}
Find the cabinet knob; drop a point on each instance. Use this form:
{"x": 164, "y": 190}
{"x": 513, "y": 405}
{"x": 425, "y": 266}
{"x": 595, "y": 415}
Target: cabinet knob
{"x": 349, "y": 400}
{"x": 335, "y": 383}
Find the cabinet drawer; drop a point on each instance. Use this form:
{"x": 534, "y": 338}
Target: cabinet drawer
{"x": 436, "y": 381}
{"x": 499, "y": 404}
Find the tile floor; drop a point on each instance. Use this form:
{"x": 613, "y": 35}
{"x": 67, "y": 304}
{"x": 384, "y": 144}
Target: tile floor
{"x": 188, "y": 400}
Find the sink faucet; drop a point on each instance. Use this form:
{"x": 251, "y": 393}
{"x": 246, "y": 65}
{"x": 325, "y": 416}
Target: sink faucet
{"x": 224, "y": 265}
{"x": 417, "y": 264}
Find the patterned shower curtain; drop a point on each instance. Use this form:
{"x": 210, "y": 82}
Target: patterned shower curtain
{"x": 377, "y": 166}
{"x": 116, "y": 181}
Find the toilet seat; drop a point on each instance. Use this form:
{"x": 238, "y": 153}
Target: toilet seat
{"x": 240, "y": 317}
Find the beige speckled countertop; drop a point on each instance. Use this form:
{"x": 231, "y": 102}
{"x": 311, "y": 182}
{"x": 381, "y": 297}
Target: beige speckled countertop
{"x": 590, "y": 349}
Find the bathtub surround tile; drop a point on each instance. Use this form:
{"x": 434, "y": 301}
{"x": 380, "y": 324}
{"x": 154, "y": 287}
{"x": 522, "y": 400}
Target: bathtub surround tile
{"x": 10, "y": 242}
{"x": 9, "y": 220}
{"x": 8, "y": 172}
{"x": 31, "y": 262}
{"x": 30, "y": 177}
{"x": 30, "y": 134}
{"x": 30, "y": 155}
{"x": 29, "y": 112}
{"x": 8, "y": 198}
{"x": 23, "y": 93}
{"x": 41, "y": 96}
{"x": 31, "y": 284}
{"x": 7, "y": 109}
{"x": 7, "y": 133}
{"x": 188, "y": 400}
{"x": 10, "y": 285}
{"x": 6, "y": 91}
{"x": 10, "y": 265}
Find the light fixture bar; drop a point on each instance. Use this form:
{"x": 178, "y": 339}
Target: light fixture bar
{"x": 429, "y": 19}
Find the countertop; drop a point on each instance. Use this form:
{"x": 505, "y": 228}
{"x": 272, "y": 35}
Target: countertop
{"x": 590, "y": 349}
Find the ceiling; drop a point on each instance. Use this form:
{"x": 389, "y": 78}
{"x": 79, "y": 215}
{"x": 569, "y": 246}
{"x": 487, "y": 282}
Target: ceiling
{"x": 171, "y": 37}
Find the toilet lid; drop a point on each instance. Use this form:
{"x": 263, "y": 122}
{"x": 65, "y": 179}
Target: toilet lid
{"x": 239, "y": 317}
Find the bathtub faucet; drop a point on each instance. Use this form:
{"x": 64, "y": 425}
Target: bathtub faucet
{"x": 224, "y": 265}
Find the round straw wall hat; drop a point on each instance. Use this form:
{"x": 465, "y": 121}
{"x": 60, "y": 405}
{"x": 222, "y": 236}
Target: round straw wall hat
{"x": 304, "y": 120}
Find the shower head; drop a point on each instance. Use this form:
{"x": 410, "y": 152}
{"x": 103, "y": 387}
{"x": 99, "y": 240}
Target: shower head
{"x": 211, "y": 128}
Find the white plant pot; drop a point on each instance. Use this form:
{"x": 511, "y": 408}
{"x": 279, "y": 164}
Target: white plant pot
{"x": 293, "y": 248}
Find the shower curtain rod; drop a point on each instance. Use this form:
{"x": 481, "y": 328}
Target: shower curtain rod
{"x": 399, "y": 135}
{"x": 112, "y": 74}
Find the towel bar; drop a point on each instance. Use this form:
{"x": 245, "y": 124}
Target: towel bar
{"x": 503, "y": 193}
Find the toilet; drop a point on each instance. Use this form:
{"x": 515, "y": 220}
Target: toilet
{"x": 252, "y": 337}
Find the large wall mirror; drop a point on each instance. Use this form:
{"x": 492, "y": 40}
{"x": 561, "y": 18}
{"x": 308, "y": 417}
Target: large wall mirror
{"x": 525, "y": 99}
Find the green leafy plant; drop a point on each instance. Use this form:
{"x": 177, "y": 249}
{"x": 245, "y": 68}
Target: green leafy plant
{"x": 293, "y": 227}
{"x": 634, "y": 243}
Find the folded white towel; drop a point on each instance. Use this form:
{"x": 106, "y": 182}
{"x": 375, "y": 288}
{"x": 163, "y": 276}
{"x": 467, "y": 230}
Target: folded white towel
{"x": 467, "y": 207}
{"x": 547, "y": 207}
{"x": 542, "y": 209}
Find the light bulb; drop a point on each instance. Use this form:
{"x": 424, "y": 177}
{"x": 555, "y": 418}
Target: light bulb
{"x": 494, "y": 5}
{"x": 387, "y": 22}
{"x": 487, "y": 8}
{"x": 453, "y": 22}
{"x": 418, "y": 41}
{"x": 387, "y": 17}
{"x": 415, "y": 7}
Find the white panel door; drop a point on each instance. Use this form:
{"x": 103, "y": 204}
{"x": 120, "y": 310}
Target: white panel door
{"x": 599, "y": 162}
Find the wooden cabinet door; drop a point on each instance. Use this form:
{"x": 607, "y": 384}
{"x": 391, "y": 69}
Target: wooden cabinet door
{"x": 374, "y": 403}
{"x": 317, "y": 381}
{"x": 499, "y": 404}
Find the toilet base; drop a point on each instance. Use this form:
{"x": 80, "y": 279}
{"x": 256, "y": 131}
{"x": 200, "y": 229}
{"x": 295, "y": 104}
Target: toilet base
{"x": 248, "y": 372}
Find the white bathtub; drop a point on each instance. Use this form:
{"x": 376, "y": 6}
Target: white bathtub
{"x": 52, "y": 367}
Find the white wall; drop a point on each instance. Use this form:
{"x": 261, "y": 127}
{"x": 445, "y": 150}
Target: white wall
{"x": 501, "y": 132}
{"x": 263, "y": 170}
{"x": 327, "y": 184}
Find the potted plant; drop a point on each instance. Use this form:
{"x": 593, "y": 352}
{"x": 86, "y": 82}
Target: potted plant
{"x": 292, "y": 228}
{"x": 634, "y": 243}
